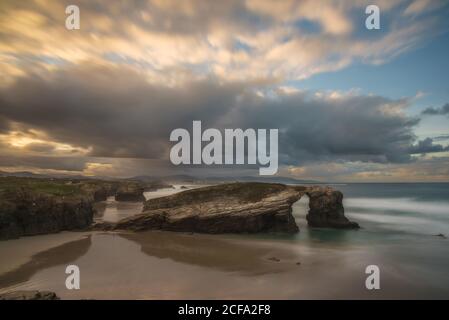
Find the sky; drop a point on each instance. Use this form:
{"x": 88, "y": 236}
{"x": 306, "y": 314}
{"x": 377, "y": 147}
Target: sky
{"x": 350, "y": 104}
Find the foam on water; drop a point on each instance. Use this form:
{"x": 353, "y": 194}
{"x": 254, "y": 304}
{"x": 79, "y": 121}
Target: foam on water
{"x": 405, "y": 205}
{"x": 402, "y": 214}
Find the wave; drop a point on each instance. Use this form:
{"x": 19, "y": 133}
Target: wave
{"x": 404, "y": 205}
{"x": 402, "y": 223}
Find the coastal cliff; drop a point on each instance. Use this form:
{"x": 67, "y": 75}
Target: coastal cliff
{"x": 35, "y": 206}
{"x": 30, "y": 206}
{"x": 28, "y": 213}
{"x": 237, "y": 208}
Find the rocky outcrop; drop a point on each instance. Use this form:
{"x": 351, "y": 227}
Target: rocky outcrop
{"x": 237, "y": 208}
{"x": 101, "y": 194}
{"x": 156, "y": 185}
{"x": 326, "y": 209}
{"x": 31, "y": 206}
{"x": 27, "y": 213}
{"x": 130, "y": 192}
{"x": 29, "y": 295}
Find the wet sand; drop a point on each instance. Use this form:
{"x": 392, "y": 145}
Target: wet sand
{"x": 166, "y": 265}
{"x": 17, "y": 252}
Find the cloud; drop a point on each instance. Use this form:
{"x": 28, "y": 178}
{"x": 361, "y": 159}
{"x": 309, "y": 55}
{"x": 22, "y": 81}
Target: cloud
{"x": 320, "y": 126}
{"x": 103, "y": 99}
{"x": 234, "y": 40}
{"x": 427, "y": 146}
{"x": 423, "y": 170}
{"x": 443, "y": 137}
{"x": 444, "y": 110}
{"x": 420, "y": 6}
{"x": 114, "y": 112}
{"x": 75, "y": 164}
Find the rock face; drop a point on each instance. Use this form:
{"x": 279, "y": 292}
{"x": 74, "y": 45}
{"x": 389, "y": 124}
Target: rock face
{"x": 29, "y": 295}
{"x": 236, "y": 208}
{"x": 27, "y": 213}
{"x": 30, "y": 206}
{"x": 130, "y": 192}
{"x": 101, "y": 194}
{"x": 326, "y": 209}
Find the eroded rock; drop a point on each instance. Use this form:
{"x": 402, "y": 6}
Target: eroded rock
{"x": 27, "y": 213}
{"x": 237, "y": 208}
{"x": 326, "y": 209}
{"x": 29, "y": 295}
{"x": 130, "y": 192}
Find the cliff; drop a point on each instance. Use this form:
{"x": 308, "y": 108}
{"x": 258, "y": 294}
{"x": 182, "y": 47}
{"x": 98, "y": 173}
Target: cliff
{"x": 28, "y": 213}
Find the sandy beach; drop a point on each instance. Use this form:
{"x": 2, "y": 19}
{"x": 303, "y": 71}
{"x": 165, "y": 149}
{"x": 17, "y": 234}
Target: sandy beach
{"x": 166, "y": 265}
{"x": 312, "y": 264}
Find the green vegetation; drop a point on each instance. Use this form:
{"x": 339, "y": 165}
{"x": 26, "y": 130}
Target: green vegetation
{"x": 245, "y": 192}
{"x": 11, "y": 186}
{"x": 50, "y": 187}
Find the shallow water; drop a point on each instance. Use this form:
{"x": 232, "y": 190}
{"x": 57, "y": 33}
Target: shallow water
{"x": 399, "y": 223}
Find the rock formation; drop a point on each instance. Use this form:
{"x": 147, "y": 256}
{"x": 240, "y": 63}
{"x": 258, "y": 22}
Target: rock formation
{"x": 326, "y": 209}
{"x": 130, "y": 192}
{"x": 38, "y": 206}
{"x": 29, "y": 295}
{"x": 30, "y": 206}
{"x": 237, "y": 208}
{"x": 27, "y": 213}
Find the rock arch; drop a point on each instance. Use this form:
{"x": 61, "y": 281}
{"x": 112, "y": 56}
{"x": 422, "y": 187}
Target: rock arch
{"x": 238, "y": 208}
{"x": 326, "y": 209}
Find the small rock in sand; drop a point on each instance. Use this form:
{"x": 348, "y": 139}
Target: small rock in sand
{"x": 274, "y": 259}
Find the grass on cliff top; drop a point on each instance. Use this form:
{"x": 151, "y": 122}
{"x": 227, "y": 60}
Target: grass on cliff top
{"x": 43, "y": 186}
{"x": 244, "y": 191}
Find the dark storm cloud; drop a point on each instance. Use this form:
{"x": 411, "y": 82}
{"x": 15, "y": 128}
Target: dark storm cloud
{"x": 113, "y": 110}
{"x": 427, "y": 146}
{"x": 119, "y": 114}
{"x": 40, "y": 147}
{"x": 352, "y": 128}
{"x": 3, "y": 122}
{"x": 441, "y": 137}
{"x": 43, "y": 162}
{"x": 444, "y": 110}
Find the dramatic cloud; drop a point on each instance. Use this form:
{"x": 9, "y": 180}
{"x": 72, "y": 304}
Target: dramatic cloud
{"x": 443, "y": 137}
{"x": 427, "y": 146}
{"x": 237, "y": 40}
{"x": 114, "y": 112}
{"x": 425, "y": 170}
{"x": 43, "y": 162}
{"x": 103, "y": 100}
{"x": 330, "y": 126}
{"x": 444, "y": 110}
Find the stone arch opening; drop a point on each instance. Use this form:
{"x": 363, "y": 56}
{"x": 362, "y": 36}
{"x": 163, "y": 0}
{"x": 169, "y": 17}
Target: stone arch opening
{"x": 325, "y": 208}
